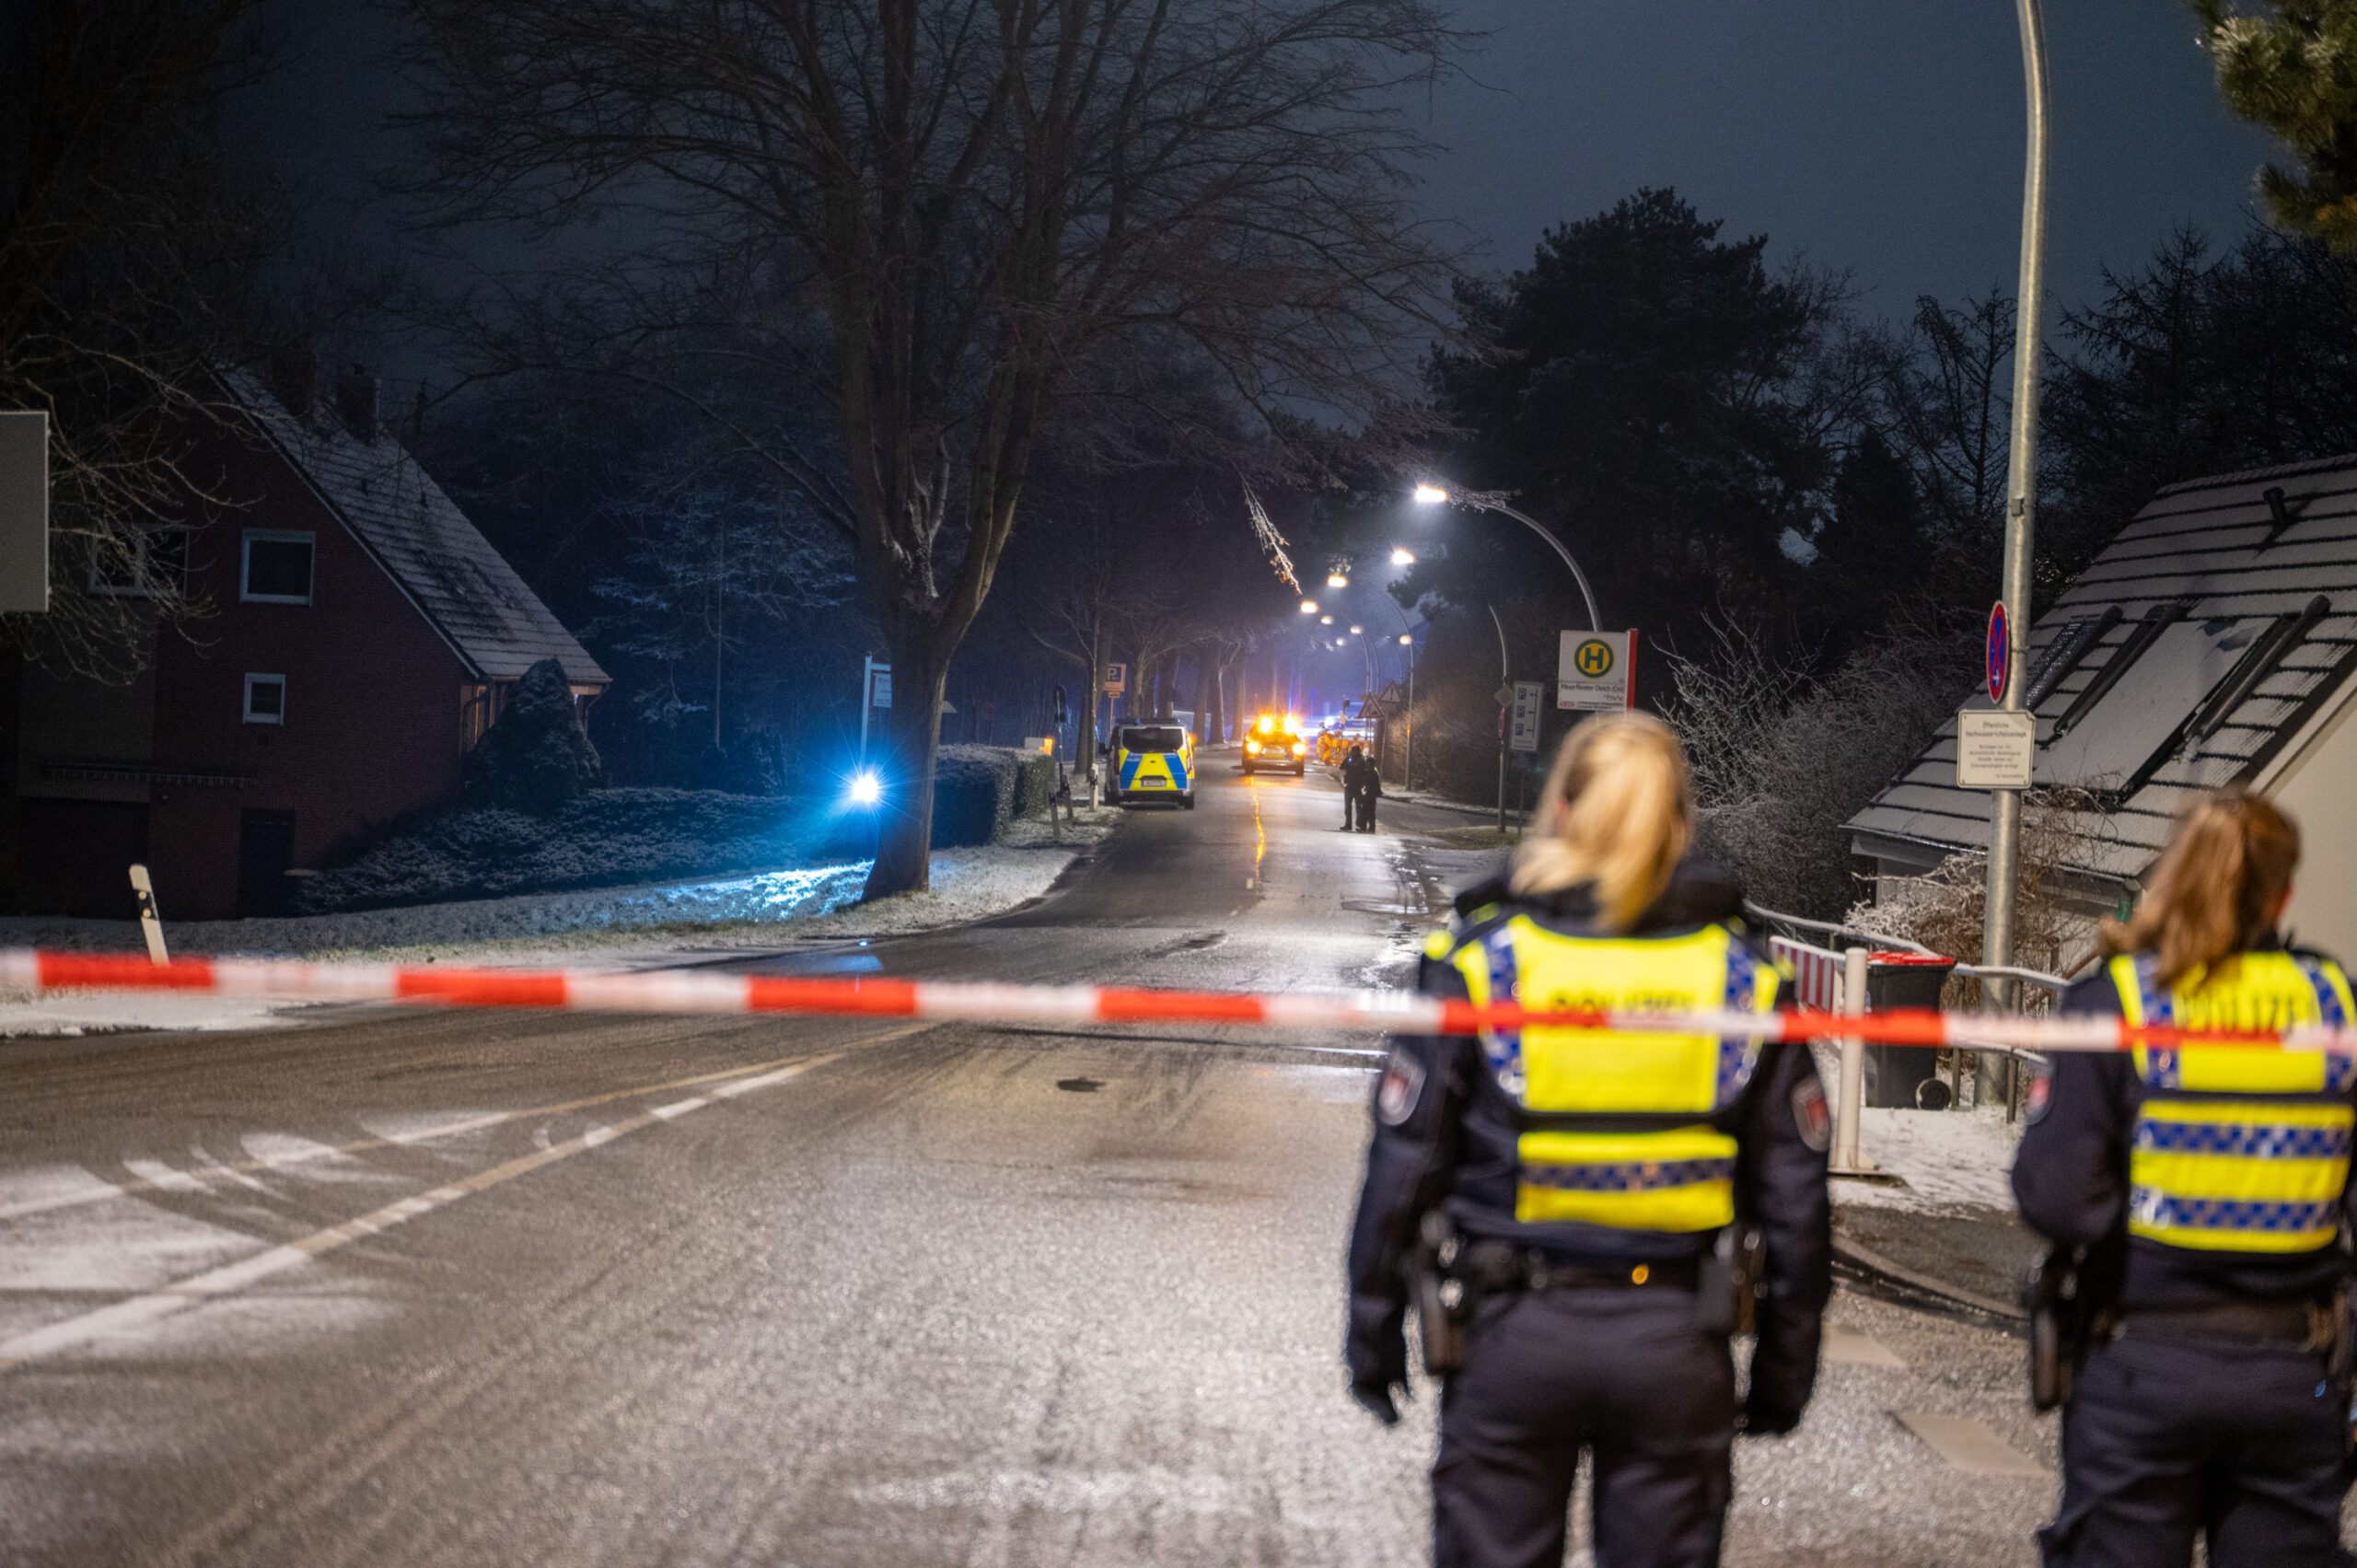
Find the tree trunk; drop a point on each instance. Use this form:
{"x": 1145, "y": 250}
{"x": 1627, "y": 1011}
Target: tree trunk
{"x": 911, "y": 742}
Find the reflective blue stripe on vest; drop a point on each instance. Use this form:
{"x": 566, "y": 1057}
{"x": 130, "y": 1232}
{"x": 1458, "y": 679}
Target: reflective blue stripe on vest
{"x": 2154, "y": 1210}
{"x": 1630, "y": 1176}
{"x": 2244, "y": 1140}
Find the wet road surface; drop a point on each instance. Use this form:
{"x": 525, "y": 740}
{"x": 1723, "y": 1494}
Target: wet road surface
{"x": 470, "y": 1289}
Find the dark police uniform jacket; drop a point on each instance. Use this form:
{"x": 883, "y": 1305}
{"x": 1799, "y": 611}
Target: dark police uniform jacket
{"x": 2205, "y": 1183}
{"x": 1448, "y": 1134}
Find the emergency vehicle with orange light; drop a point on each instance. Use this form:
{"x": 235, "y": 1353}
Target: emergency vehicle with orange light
{"x": 1275, "y": 745}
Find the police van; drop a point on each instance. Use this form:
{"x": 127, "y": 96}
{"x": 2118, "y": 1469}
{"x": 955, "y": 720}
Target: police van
{"x": 1153, "y": 762}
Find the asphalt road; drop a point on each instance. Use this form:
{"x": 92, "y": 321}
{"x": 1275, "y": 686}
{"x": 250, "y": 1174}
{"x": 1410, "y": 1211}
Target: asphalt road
{"x": 442, "y": 1289}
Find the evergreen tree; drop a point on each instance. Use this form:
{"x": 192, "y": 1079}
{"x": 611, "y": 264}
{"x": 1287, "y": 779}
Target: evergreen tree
{"x": 2291, "y": 67}
{"x": 537, "y": 756}
{"x": 1643, "y": 391}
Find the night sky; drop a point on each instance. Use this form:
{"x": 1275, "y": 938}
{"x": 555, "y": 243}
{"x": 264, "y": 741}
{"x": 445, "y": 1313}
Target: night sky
{"x": 1883, "y": 137}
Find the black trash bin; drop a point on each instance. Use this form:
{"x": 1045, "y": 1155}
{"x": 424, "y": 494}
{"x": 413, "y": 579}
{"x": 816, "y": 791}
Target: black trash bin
{"x": 1894, "y": 1072}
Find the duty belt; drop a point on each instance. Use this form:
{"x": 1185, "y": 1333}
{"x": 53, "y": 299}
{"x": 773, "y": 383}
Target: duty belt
{"x": 1497, "y": 1265}
{"x": 2308, "y": 1325}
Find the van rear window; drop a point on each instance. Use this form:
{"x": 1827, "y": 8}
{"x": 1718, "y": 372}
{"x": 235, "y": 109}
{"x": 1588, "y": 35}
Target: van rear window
{"x": 1155, "y": 738}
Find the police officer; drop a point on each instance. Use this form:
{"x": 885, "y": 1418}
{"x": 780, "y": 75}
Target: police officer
{"x": 1580, "y": 1196}
{"x": 1370, "y": 790}
{"x": 1353, "y": 767}
{"x": 2210, "y": 1183}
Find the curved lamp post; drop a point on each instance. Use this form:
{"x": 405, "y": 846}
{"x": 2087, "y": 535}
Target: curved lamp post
{"x": 1494, "y": 501}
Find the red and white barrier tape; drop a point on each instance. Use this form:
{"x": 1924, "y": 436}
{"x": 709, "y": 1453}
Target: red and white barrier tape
{"x": 1385, "y": 1011}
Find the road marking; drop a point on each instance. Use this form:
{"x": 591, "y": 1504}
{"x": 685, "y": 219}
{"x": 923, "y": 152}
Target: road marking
{"x": 154, "y": 1176}
{"x": 142, "y": 1311}
{"x": 1969, "y": 1446}
{"x": 1859, "y": 1350}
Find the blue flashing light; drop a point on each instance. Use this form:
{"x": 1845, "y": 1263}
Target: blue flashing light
{"x": 867, "y": 789}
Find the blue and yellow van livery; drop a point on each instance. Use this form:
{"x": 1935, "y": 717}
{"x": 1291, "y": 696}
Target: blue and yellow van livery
{"x": 1153, "y": 762}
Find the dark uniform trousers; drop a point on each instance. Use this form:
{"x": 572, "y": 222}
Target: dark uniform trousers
{"x": 1624, "y": 1372}
{"x": 2253, "y": 1426}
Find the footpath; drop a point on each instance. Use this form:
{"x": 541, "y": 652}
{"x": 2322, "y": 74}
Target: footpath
{"x": 1940, "y": 1230}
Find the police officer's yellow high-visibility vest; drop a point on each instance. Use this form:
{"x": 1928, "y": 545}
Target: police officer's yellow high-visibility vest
{"x": 2238, "y": 1150}
{"x": 1603, "y": 1138}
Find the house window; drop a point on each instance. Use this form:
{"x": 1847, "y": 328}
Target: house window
{"x": 277, "y": 567}
{"x": 478, "y": 705}
{"x": 265, "y": 699}
{"x": 155, "y": 558}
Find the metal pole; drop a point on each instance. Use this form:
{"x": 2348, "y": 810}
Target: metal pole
{"x": 1491, "y": 503}
{"x": 1505, "y": 678}
{"x": 2021, "y": 497}
{"x": 1847, "y": 1159}
{"x": 1408, "y": 762}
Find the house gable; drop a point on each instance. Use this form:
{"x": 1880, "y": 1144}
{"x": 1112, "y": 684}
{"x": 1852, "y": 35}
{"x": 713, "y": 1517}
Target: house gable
{"x": 2211, "y": 634}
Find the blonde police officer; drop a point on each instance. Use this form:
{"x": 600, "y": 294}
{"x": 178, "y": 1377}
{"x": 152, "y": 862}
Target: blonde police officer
{"x": 1575, "y": 1196}
{"x": 2210, "y": 1185}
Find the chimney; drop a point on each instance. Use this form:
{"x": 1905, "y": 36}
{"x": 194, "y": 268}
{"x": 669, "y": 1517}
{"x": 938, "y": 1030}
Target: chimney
{"x": 294, "y": 376}
{"x": 355, "y": 399}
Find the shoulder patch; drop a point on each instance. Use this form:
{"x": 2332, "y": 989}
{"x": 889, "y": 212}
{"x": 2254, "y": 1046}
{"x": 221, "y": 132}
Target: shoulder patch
{"x": 1811, "y": 1115}
{"x": 1402, "y": 1087}
{"x": 2037, "y": 1097}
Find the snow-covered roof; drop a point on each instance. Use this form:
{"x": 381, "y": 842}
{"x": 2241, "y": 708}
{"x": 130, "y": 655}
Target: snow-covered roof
{"x": 462, "y": 586}
{"x": 2199, "y": 644}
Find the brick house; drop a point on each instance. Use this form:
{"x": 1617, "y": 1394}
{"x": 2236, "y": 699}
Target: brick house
{"x": 362, "y": 634}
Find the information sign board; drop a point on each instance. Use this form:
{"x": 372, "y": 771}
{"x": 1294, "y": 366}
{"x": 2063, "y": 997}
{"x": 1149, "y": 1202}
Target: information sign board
{"x": 1522, "y": 734}
{"x": 1597, "y": 671}
{"x": 1994, "y": 748}
{"x": 1117, "y": 680}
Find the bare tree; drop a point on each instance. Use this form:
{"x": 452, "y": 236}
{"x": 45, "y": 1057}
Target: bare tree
{"x": 1947, "y": 404}
{"x": 126, "y": 244}
{"x": 1782, "y": 761}
{"x": 937, "y": 211}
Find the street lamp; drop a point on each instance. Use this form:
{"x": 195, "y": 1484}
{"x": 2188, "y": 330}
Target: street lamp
{"x": 1309, "y": 606}
{"x": 1337, "y": 580}
{"x": 1357, "y": 630}
{"x": 1324, "y": 620}
{"x": 1491, "y": 501}
{"x": 1402, "y": 556}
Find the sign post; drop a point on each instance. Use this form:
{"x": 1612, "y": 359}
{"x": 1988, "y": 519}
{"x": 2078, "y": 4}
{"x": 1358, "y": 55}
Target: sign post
{"x": 1595, "y": 671}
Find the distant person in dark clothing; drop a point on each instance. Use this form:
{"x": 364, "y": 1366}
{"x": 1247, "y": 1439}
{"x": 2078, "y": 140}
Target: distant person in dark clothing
{"x": 1370, "y": 791}
{"x": 1354, "y": 766}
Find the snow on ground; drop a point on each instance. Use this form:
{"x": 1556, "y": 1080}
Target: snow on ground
{"x": 1946, "y": 1158}
{"x": 614, "y": 928}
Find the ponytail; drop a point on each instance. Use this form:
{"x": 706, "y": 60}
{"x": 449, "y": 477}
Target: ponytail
{"x": 2216, "y": 889}
{"x": 1616, "y": 813}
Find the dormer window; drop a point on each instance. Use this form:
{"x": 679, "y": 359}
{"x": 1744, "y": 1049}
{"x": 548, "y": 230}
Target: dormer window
{"x": 276, "y": 566}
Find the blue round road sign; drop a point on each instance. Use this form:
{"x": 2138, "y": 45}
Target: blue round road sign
{"x": 2001, "y": 652}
